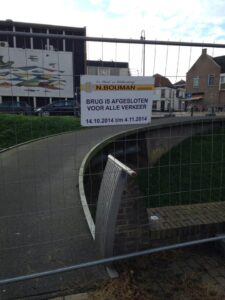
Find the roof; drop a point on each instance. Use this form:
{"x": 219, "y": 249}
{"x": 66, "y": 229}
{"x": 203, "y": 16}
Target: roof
{"x": 220, "y": 60}
{"x": 205, "y": 55}
{"x": 161, "y": 81}
{"x": 109, "y": 64}
{"x": 37, "y": 25}
{"x": 180, "y": 83}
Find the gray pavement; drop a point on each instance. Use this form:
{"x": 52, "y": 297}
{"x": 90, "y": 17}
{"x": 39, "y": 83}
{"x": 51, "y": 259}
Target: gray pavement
{"x": 42, "y": 225}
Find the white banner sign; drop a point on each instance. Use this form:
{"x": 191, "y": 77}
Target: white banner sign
{"x": 116, "y": 100}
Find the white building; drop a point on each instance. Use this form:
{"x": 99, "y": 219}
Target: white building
{"x": 107, "y": 68}
{"x": 167, "y": 96}
{"x": 180, "y": 87}
{"x": 39, "y": 64}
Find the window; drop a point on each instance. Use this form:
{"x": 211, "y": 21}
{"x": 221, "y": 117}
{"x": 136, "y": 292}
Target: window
{"x": 114, "y": 71}
{"x": 103, "y": 71}
{"x": 211, "y": 79}
{"x": 196, "y": 82}
{"x": 222, "y": 82}
{"x": 91, "y": 70}
{"x": 163, "y": 93}
{"x": 154, "y": 105}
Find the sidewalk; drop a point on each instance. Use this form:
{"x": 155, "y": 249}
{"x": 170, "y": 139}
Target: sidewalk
{"x": 184, "y": 114}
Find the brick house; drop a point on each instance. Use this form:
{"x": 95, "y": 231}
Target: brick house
{"x": 205, "y": 82}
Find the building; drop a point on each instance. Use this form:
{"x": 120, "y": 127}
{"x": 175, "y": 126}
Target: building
{"x": 165, "y": 95}
{"x": 107, "y": 68}
{"x": 42, "y": 68}
{"x": 180, "y": 87}
{"x": 206, "y": 82}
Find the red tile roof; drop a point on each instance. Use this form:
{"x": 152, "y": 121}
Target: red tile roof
{"x": 161, "y": 81}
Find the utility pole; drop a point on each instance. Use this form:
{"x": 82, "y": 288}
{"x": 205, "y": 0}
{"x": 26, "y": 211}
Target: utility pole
{"x": 143, "y": 54}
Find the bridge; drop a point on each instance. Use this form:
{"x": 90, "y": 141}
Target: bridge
{"x": 43, "y": 224}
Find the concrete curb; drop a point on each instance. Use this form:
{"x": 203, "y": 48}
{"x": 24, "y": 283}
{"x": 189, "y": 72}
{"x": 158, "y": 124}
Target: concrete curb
{"x": 34, "y": 140}
{"x": 82, "y": 169}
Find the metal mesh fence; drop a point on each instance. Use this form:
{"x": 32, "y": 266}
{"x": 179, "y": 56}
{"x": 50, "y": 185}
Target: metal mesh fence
{"x": 49, "y": 187}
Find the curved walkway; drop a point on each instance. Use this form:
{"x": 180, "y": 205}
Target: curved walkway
{"x": 42, "y": 224}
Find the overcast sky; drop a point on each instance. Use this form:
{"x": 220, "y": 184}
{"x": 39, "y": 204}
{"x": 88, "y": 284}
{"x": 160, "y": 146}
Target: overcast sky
{"x": 192, "y": 20}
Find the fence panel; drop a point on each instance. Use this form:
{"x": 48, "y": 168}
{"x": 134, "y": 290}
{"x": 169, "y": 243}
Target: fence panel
{"x": 51, "y": 168}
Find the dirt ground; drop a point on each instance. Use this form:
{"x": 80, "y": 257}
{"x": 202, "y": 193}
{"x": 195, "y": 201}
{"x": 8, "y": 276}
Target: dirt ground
{"x": 189, "y": 274}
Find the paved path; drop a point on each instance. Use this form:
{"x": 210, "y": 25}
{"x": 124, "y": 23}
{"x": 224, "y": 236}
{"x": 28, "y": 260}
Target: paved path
{"x": 42, "y": 225}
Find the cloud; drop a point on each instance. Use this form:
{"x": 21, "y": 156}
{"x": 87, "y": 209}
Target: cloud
{"x": 193, "y": 20}
{"x": 96, "y": 2}
{"x": 172, "y": 19}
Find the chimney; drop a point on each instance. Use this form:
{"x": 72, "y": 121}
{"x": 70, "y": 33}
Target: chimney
{"x": 204, "y": 51}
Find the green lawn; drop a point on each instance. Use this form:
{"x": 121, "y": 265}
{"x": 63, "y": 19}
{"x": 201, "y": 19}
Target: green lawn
{"x": 192, "y": 172}
{"x": 16, "y": 129}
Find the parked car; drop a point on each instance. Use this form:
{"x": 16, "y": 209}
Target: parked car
{"x": 12, "y": 107}
{"x": 59, "y": 108}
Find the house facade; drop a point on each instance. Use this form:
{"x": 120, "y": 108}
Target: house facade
{"x": 206, "y": 82}
{"x": 181, "y": 100}
{"x": 165, "y": 95}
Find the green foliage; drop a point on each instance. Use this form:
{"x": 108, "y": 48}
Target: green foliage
{"x": 15, "y": 129}
{"x": 192, "y": 172}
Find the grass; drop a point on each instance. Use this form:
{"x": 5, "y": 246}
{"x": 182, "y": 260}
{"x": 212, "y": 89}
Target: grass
{"x": 192, "y": 172}
{"x": 16, "y": 129}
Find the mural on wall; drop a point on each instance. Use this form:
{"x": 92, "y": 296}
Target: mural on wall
{"x": 28, "y": 72}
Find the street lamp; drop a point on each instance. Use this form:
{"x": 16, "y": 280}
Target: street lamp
{"x": 143, "y": 54}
